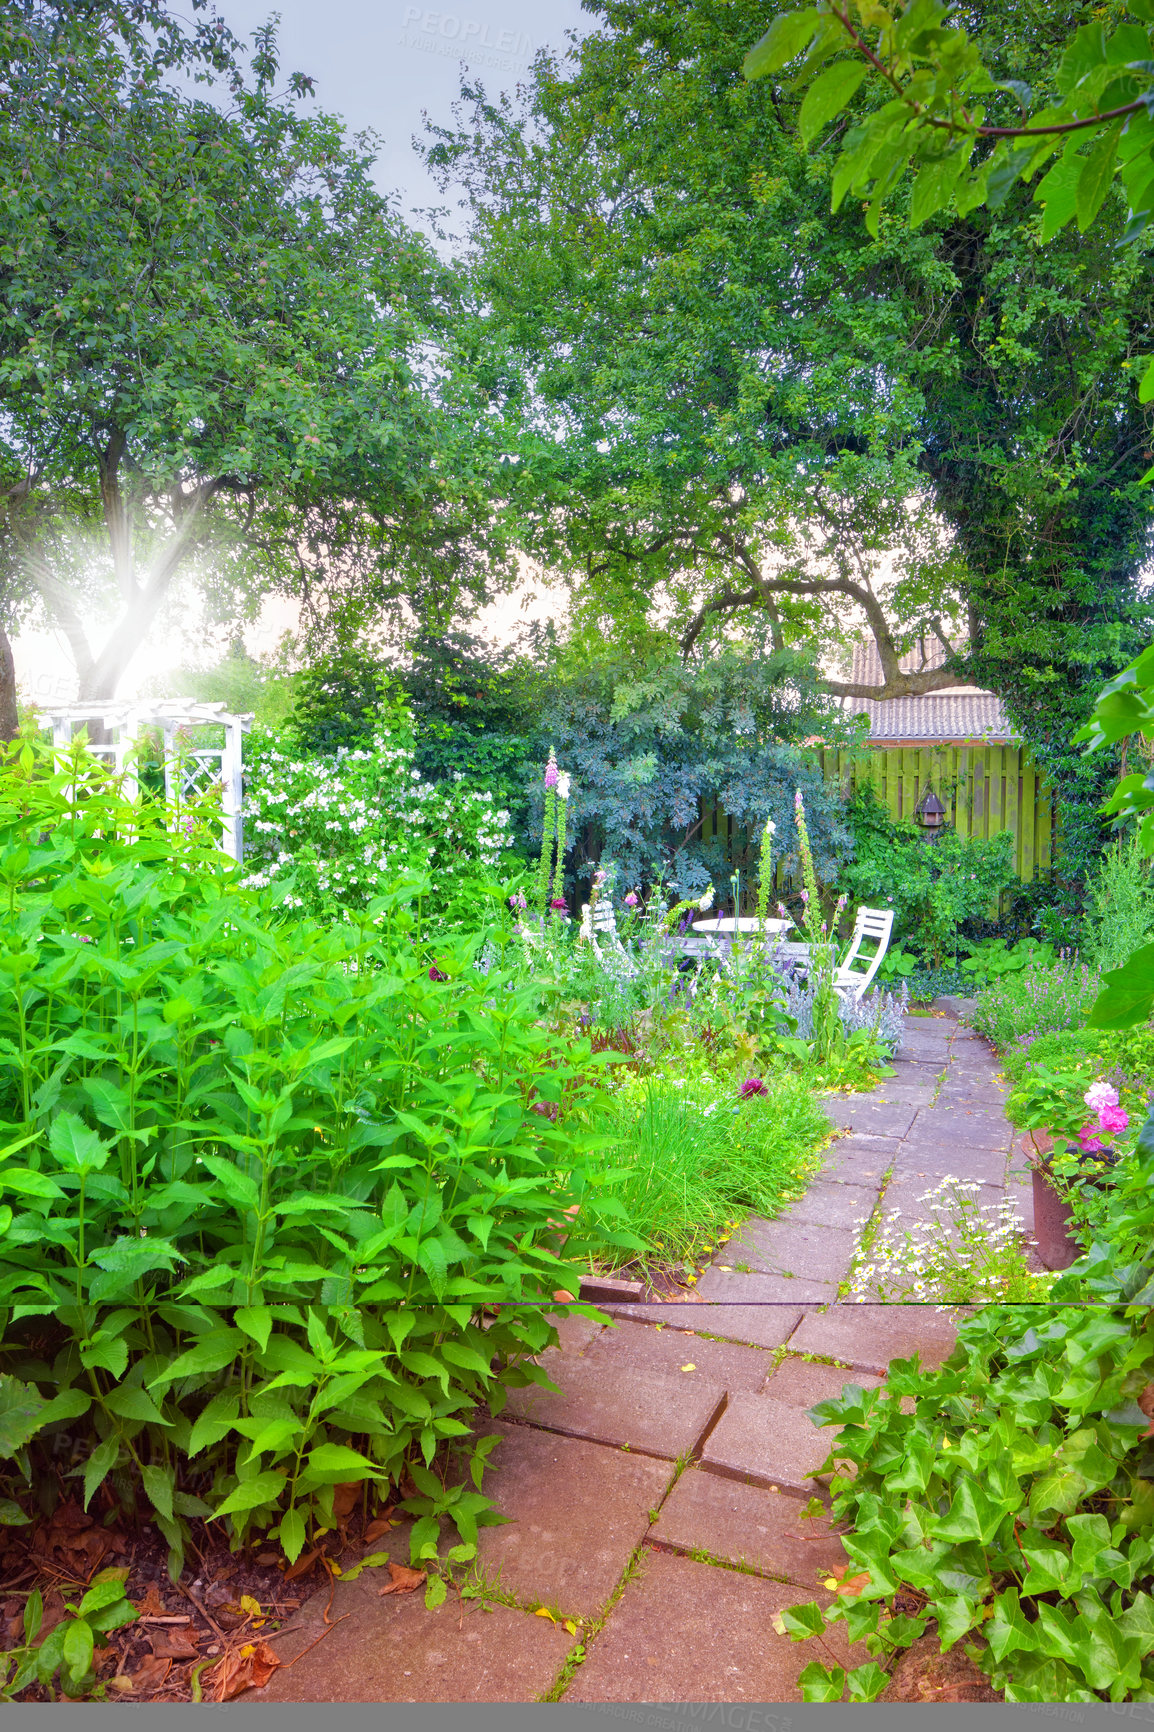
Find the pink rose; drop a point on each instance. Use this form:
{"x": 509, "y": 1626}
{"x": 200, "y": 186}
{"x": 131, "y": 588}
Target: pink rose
{"x": 1113, "y": 1119}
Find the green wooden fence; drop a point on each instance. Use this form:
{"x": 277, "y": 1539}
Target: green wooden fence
{"x": 984, "y": 789}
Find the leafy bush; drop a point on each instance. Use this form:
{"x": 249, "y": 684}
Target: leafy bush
{"x": 261, "y": 1178}
{"x": 1119, "y": 905}
{"x": 345, "y": 826}
{"x": 1019, "y": 1007}
{"x": 1016, "y": 1497}
{"x": 934, "y": 886}
{"x": 692, "y": 1155}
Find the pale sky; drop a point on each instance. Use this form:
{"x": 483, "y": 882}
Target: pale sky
{"x": 378, "y": 64}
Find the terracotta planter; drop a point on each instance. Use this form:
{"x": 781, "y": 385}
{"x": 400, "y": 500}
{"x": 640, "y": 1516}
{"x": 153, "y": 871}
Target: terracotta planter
{"x": 1052, "y": 1213}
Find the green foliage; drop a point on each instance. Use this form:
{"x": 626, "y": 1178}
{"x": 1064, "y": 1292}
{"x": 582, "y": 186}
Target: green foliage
{"x": 261, "y": 1177}
{"x": 336, "y": 830}
{"x": 1015, "y": 1497}
{"x": 1094, "y": 109}
{"x": 692, "y": 1155}
{"x": 68, "y": 1652}
{"x": 934, "y": 887}
{"x": 1043, "y": 996}
{"x": 994, "y": 958}
{"x": 1119, "y": 905}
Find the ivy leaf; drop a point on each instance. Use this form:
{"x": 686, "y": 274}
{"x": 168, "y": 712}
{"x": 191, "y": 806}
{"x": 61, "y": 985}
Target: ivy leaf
{"x": 820, "y": 1683}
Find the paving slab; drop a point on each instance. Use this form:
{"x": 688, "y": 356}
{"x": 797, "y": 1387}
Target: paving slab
{"x": 667, "y": 1348}
{"x": 972, "y": 1129}
{"x": 574, "y": 1333}
{"x": 746, "y": 1524}
{"x": 834, "y": 1205}
{"x": 658, "y": 1412}
{"x": 576, "y": 1513}
{"x": 936, "y": 1160}
{"x": 911, "y": 1094}
{"x": 821, "y": 1253}
{"x": 918, "y": 1069}
{"x": 801, "y": 1382}
{"x": 762, "y": 1441}
{"x": 753, "y": 1307}
{"x": 691, "y": 1632}
{"x": 859, "y": 1160}
{"x": 868, "y": 1113}
{"x": 867, "y": 1337}
{"x": 907, "y": 1195}
{"x": 395, "y": 1650}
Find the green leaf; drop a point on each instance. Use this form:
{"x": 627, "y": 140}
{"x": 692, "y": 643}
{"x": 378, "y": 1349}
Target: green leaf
{"x": 237, "y": 1186}
{"x": 336, "y": 1463}
{"x": 78, "y": 1646}
{"x": 214, "y": 1422}
{"x": 255, "y": 1320}
{"x": 866, "y": 1683}
{"x": 805, "y": 1620}
{"x": 21, "y": 1414}
{"x": 292, "y": 1534}
{"x": 1096, "y": 177}
{"x": 99, "y": 1465}
{"x": 1008, "y": 1630}
{"x": 435, "y": 1592}
{"x": 159, "y": 1483}
{"x": 211, "y": 1353}
{"x": 265, "y": 1488}
{"x": 75, "y": 1146}
{"x": 820, "y": 1683}
{"x": 27, "y": 1183}
{"x": 785, "y": 39}
{"x": 468, "y": 1358}
{"x": 828, "y": 95}
{"x": 132, "y": 1403}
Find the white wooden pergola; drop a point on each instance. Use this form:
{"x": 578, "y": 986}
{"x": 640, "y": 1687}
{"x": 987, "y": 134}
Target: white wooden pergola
{"x": 187, "y": 772}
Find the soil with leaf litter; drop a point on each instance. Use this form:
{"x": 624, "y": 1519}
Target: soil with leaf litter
{"x": 209, "y": 1636}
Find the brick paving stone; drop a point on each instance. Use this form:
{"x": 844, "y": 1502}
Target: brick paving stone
{"x": 832, "y": 1205}
{"x": 691, "y": 1632}
{"x": 733, "y": 1300}
{"x": 665, "y": 1348}
{"x": 918, "y": 1070}
{"x": 821, "y": 1253}
{"x": 801, "y": 1382}
{"x": 394, "y": 1650}
{"x": 867, "y": 1337}
{"x": 577, "y": 1512}
{"x": 972, "y": 1130}
{"x": 865, "y": 1113}
{"x": 659, "y": 1413}
{"x": 911, "y": 1094}
{"x": 575, "y": 1333}
{"x": 745, "y": 1524}
{"x": 763, "y": 1441}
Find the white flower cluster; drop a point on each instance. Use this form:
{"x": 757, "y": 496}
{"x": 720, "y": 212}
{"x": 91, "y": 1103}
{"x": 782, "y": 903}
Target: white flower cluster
{"x": 346, "y": 824}
{"x": 963, "y": 1253}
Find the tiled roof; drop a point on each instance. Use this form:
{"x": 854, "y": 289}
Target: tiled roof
{"x": 954, "y": 713}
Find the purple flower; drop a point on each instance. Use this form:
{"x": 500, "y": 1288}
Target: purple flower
{"x": 797, "y": 801}
{"x": 1088, "y": 1142}
{"x": 598, "y": 879}
{"x": 753, "y": 1085}
{"x": 633, "y": 900}
{"x": 559, "y": 905}
{"x": 518, "y": 901}
{"x": 435, "y": 974}
{"x": 551, "y": 772}
{"x": 781, "y": 911}
{"x": 805, "y": 898}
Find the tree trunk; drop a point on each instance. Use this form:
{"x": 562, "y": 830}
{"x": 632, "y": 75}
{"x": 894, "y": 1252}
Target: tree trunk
{"x": 9, "y": 714}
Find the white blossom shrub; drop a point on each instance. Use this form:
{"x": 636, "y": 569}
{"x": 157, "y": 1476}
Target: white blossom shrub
{"x": 345, "y": 825}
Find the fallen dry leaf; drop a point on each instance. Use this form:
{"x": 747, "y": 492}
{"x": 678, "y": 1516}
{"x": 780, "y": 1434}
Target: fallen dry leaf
{"x": 404, "y": 1580}
{"x": 266, "y": 1560}
{"x": 303, "y": 1565}
{"x": 151, "y": 1673}
{"x": 346, "y": 1498}
{"x": 843, "y": 1583}
{"x": 152, "y": 1606}
{"x": 173, "y": 1644}
{"x": 380, "y": 1525}
{"x": 122, "y": 1683}
{"x": 249, "y": 1668}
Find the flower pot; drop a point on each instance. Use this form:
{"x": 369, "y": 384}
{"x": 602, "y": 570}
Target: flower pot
{"x": 1052, "y": 1213}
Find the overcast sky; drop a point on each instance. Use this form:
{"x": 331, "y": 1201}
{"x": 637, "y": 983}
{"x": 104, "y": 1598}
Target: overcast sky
{"x": 378, "y": 63}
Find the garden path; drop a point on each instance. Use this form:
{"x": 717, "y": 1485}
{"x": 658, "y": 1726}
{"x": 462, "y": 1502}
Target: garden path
{"x": 656, "y": 1503}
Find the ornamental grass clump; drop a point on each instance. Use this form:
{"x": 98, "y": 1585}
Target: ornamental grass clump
{"x": 276, "y": 1210}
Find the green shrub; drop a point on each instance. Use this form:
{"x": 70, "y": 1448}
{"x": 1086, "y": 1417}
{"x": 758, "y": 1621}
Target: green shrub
{"x": 1014, "y": 1010}
{"x": 934, "y": 886}
{"x": 261, "y": 1179}
{"x": 692, "y": 1155}
{"x": 1119, "y": 905}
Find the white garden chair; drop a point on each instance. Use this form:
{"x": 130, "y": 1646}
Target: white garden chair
{"x": 599, "y": 931}
{"x": 855, "y": 972}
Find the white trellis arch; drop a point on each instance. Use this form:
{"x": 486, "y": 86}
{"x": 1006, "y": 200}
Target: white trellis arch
{"x": 186, "y": 772}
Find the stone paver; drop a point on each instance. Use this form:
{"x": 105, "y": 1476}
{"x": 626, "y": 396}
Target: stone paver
{"x": 394, "y": 1650}
{"x": 745, "y": 1524}
{"x": 860, "y": 1160}
{"x": 729, "y": 1295}
{"x": 801, "y": 1382}
{"x": 659, "y": 1413}
{"x": 867, "y": 1337}
{"x": 834, "y": 1205}
{"x": 766, "y": 1442}
{"x": 972, "y": 1127}
{"x": 633, "y": 1347}
{"x": 936, "y": 1160}
{"x": 576, "y": 1513}
{"x": 906, "y": 1195}
{"x": 869, "y": 1114}
{"x": 690, "y": 1632}
{"x": 820, "y": 1253}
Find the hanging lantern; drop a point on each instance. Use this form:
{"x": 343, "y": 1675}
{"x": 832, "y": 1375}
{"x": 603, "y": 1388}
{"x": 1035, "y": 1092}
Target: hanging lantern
{"x": 929, "y": 811}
